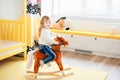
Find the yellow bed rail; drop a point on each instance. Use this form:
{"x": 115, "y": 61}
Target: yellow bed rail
{"x": 12, "y": 30}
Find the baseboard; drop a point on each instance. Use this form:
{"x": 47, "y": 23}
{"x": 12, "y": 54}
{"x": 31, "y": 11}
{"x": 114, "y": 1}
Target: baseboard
{"x": 107, "y": 55}
{"x": 94, "y": 53}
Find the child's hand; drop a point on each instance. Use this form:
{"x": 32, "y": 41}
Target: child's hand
{"x": 55, "y": 43}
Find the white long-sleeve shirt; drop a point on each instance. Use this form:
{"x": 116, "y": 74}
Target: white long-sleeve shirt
{"x": 45, "y": 37}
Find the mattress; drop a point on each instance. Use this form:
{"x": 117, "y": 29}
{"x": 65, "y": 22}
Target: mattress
{"x": 6, "y": 43}
{"x": 10, "y": 48}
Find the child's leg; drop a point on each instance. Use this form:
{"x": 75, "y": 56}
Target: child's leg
{"x": 51, "y": 55}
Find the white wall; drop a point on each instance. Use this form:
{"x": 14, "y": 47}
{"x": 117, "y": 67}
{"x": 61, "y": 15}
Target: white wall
{"x": 94, "y": 26}
{"x": 46, "y": 7}
{"x": 11, "y": 9}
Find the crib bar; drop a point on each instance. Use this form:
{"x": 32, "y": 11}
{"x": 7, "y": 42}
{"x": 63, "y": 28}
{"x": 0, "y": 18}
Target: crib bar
{"x": 28, "y": 21}
{"x": 13, "y": 30}
{"x": 21, "y": 32}
{"x": 16, "y": 32}
{"x": 3, "y": 28}
{"x": 9, "y": 31}
{"x": 0, "y": 35}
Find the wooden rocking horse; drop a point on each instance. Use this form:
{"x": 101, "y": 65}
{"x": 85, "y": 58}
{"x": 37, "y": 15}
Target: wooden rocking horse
{"x": 38, "y": 55}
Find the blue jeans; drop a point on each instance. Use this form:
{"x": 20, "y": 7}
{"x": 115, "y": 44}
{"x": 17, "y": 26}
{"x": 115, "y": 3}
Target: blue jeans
{"x": 48, "y": 51}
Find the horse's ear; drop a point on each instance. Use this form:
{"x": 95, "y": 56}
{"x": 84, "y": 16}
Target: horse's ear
{"x": 57, "y": 38}
{"x": 66, "y": 43}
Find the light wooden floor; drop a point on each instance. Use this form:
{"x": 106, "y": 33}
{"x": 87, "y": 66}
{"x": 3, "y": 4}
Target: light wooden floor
{"x": 110, "y": 65}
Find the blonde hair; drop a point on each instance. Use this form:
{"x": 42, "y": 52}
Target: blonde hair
{"x": 44, "y": 18}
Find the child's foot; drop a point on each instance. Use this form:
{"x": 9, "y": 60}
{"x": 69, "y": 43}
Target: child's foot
{"x": 41, "y": 63}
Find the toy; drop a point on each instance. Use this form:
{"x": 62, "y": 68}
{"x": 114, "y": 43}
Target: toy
{"x": 56, "y": 48}
{"x": 60, "y": 24}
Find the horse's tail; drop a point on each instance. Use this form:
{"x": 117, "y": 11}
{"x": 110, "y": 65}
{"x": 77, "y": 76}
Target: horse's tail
{"x": 30, "y": 57}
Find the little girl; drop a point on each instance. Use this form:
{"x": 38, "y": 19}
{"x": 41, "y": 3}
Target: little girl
{"x": 46, "y": 40}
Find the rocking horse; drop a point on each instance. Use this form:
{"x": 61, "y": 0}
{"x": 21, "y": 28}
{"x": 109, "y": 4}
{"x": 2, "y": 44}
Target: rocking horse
{"x": 38, "y": 55}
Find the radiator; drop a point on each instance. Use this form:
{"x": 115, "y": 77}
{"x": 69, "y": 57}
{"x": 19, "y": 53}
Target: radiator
{"x": 83, "y": 51}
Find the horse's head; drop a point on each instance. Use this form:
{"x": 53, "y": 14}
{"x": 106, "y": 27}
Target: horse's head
{"x": 61, "y": 41}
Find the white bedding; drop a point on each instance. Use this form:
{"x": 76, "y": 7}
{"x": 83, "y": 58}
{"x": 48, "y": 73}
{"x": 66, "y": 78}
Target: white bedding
{"x": 6, "y": 43}
{"x": 11, "y": 51}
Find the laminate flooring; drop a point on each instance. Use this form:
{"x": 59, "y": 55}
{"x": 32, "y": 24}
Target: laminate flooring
{"x": 110, "y": 65}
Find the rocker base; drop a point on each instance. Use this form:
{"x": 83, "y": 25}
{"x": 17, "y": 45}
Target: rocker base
{"x": 48, "y": 73}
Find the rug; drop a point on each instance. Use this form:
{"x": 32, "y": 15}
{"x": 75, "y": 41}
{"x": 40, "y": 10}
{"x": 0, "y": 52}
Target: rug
{"x": 13, "y": 68}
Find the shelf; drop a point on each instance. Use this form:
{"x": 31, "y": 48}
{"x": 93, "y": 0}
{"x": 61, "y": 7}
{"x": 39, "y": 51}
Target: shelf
{"x": 88, "y": 33}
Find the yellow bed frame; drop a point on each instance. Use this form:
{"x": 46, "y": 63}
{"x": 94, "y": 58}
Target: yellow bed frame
{"x": 13, "y": 31}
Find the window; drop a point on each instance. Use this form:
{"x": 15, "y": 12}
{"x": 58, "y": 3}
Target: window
{"x": 104, "y": 8}
{"x": 115, "y": 7}
{"x": 96, "y": 7}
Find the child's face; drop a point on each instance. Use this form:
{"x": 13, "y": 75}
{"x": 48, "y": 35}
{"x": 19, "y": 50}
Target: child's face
{"x": 47, "y": 24}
